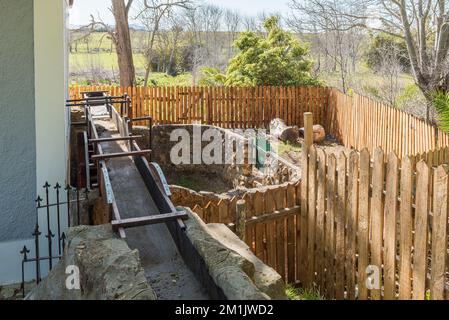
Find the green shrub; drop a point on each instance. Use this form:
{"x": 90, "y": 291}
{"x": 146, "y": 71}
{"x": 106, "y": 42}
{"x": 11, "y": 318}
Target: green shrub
{"x": 441, "y": 103}
{"x": 211, "y": 77}
{"x": 302, "y": 294}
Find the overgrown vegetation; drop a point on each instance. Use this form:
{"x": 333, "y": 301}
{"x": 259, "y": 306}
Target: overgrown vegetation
{"x": 275, "y": 59}
{"x": 302, "y": 294}
{"x": 400, "y": 58}
{"x": 441, "y": 102}
{"x": 284, "y": 148}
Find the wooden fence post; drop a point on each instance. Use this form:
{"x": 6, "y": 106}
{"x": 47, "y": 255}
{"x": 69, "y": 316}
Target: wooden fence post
{"x": 308, "y": 129}
{"x": 241, "y": 219}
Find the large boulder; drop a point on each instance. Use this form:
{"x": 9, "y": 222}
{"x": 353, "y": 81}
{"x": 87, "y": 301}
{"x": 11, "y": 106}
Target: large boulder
{"x": 234, "y": 269}
{"x": 281, "y": 131}
{"x": 109, "y": 269}
{"x": 319, "y": 133}
{"x": 265, "y": 277}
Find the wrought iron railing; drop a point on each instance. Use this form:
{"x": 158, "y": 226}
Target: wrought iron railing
{"x": 59, "y": 215}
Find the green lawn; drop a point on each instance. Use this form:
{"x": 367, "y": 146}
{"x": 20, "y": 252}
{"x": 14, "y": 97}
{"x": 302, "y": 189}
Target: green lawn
{"x": 106, "y": 60}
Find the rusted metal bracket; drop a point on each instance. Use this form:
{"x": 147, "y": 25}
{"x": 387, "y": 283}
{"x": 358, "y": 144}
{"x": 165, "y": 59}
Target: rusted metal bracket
{"x": 120, "y": 155}
{"x": 114, "y": 139}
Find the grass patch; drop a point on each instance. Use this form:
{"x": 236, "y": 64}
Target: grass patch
{"x": 163, "y": 79}
{"x": 302, "y": 294}
{"x": 189, "y": 183}
{"x": 287, "y": 147}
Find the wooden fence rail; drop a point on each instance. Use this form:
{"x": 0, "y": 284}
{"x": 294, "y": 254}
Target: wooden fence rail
{"x": 353, "y": 219}
{"x": 226, "y": 107}
{"x": 387, "y": 218}
{"x": 357, "y": 122}
{"x": 360, "y": 122}
{"x": 377, "y": 215}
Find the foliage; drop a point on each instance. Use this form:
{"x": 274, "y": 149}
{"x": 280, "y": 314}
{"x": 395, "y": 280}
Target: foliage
{"x": 163, "y": 79}
{"x": 410, "y": 93}
{"x": 302, "y": 294}
{"x": 441, "y": 103}
{"x": 382, "y": 45}
{"x": 287, "y": 147}
{"x": 272, "y": 59}
{"x": 212, "y": 77}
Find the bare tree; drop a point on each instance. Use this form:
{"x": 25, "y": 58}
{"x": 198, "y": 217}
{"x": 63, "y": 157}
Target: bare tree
{"x": 151, "y": 14}
{"x": 337, "y": 44}
{"x": 122, "y": 39}
{"x": 423, "y": 24}
{"x": 390, "y": 70}
{"x": 121, "y": 35}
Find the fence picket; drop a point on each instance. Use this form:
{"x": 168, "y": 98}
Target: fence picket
{"x": 390, "y": 215}
{"x": 439, "y": 234}
{"x": 406, "y": 225}
{"x": 351, "y": 224}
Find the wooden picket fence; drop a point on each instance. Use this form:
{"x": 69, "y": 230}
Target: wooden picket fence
{"x": 350, "y": 216}
{"x": 359, "y": 212}
{"x": 272, "y": 224}
{"x": 226, "y": 107}
{"x": 359, "y": 122}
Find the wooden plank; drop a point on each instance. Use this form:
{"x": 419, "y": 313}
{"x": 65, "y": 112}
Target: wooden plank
{"x": 390, "y": 215}
{"x": 120, "y": 155}
{"x": 340, "y": 218}
{"x": 250, "y": 232}
{"x": 351, "y": 224}
{"x": 259, "y": 229}
{"x": 308, "y": 129}
{"x": 280, "y": 198}
{"x": 406, "y": 227}
{"x": 291, "y": 233}
{"x": 302, "y": 226}
{"x": 320, "y": 218}
{"x": 330, "y": 226}
{"x": 377, "y": 215}
{"x": 270, "y": 208}
{"x": 311, "y": 219}
{"x": 439, "y": 234}
{"x": 363, "y": 223}
{"x": 114, "y": 139}
{"x": 145, "y": 221}
{"x": 223, "y": 211}
{"x": 275, "y": 215}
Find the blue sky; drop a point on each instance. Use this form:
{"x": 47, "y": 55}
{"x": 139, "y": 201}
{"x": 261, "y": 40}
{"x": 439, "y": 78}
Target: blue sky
{"x": 82, "y": 9}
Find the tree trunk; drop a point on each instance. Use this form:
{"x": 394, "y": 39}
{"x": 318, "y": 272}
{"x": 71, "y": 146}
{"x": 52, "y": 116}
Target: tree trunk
{"x": 123, "y": 44}
{"x": 280, "y": 130}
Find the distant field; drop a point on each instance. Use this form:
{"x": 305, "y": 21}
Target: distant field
{"x": 108, "y": 61}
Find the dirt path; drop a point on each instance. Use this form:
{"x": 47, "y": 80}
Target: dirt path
{"x": 164, "y": 267}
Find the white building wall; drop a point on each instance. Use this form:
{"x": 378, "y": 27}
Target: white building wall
{"x": 50, "y": 91}
{"x": 51, "y": 118}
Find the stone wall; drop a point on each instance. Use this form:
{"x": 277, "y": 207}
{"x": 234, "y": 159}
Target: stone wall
{"x": 228, "y": 171}
{"x": 109, "y": 269}
{"x": 216, "y": 255}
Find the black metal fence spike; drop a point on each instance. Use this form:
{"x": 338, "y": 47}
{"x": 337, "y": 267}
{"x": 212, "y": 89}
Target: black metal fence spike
{"x": 25, "y": 252}
{"x": 60, "y": 234}
{"x": 50, "y": 234}
{"x": 63, "y": 239}
{"x": 36, "y": 233}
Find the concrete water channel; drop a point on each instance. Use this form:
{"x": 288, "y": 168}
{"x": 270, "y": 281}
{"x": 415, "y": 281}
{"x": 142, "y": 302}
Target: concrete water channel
{"x": 165, "y": 269}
